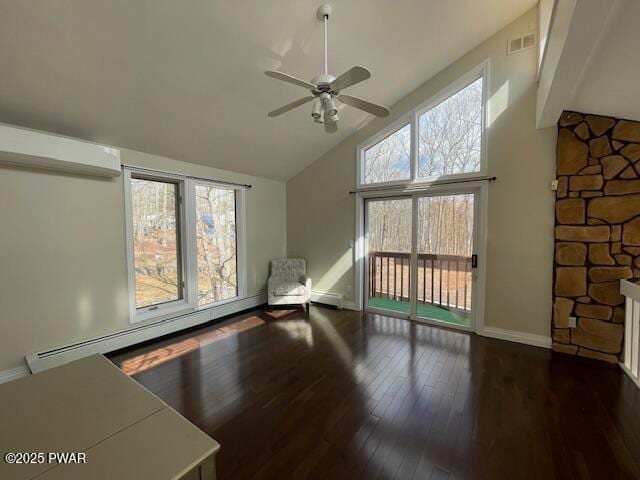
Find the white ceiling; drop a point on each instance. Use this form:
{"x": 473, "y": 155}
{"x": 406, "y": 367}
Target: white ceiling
{"x": 610, "y": 83}
{"x": 184, "y": 79}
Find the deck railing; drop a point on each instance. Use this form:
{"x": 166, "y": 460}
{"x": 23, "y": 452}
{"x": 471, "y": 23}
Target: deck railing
{"x": 443, "y": 280}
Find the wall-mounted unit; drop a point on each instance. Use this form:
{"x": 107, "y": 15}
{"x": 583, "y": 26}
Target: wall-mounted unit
{"x": 28, "y": 148}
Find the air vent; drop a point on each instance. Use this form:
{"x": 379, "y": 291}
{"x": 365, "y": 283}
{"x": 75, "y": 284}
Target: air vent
{"x": 525, "y": 42}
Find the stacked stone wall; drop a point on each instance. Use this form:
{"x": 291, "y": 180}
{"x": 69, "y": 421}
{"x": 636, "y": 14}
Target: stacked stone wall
{"x": 597, "y": 232}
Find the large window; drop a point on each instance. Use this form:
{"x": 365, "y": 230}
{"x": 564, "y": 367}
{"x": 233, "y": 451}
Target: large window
{"x": 216, "y": 244}
{"x": 450, "y": 134}
{"x": 441, "y": 138}
{"x": 184, "y": 243}
{"x": 156, "y": 242}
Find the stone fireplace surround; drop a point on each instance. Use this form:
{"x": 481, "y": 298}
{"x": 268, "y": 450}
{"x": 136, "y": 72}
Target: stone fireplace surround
{"x": 597, "y": 232}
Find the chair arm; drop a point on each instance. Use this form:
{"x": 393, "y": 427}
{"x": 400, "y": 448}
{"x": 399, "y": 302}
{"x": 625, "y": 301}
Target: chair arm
{"x": 306, "y": 281}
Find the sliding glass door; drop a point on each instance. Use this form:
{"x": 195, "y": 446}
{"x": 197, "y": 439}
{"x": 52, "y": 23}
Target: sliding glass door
{"x": 420, "y": 260}
{"x": 389, "y": 241}
{"x": 445, "y": 261}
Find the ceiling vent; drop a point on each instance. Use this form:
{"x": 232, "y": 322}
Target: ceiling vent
{"x": 525, "y": 42}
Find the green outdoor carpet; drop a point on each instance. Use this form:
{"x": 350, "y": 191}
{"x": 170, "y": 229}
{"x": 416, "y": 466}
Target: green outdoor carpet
{"x": 432, "y": 312}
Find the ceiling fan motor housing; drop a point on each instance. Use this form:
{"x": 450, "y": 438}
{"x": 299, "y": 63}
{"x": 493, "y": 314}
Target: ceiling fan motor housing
{"x": 322, "y": 81}
{"x": 324, "y": 11}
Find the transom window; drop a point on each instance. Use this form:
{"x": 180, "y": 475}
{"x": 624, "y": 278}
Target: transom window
{"x": 184, "y": 243}
{"x": 441, "y": 138}
{"x": 450, "y": 134}
{"x": 389, "y": 159}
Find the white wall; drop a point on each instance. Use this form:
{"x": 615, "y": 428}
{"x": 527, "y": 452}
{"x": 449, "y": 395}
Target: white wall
{"x": 62, "y": 251}
{"x": 321, "y": 213}
{"x": 545, "y": 11}
{"x": 609, "y": 85}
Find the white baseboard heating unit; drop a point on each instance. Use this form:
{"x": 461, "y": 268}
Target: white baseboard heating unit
{"x": 327, "y": 298}
{"x": 135, "y": 334}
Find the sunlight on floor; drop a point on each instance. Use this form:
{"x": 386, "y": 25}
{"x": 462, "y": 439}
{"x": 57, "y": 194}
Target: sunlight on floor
{"x": 161, "y": 355}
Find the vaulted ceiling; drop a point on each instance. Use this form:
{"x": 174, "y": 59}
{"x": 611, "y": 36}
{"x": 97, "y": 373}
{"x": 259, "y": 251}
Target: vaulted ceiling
{"x": 185, "y": 79}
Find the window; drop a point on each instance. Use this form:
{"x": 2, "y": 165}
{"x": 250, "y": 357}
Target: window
{"x": 389, "y": 159}
{"x": 216, "y": 244}
{"x": 450, "y": 134}
{"x": 185, "y": 243}
{"x": 442, "y": 138}
{"x": 156, "y": 242}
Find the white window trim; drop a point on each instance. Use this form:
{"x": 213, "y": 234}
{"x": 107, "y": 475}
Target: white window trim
{"x": 241, "y": 249}
{"x": 189, "y": 301}
{"x": 480, "y": 71}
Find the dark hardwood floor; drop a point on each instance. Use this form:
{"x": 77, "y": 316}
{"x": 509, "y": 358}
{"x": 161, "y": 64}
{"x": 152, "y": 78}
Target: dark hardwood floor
{"x": 339, "y": 394}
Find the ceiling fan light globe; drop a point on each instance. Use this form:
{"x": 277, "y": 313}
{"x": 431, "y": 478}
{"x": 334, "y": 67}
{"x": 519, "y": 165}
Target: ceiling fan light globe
{"x": 330, "y": 107}
{"x": 316, "y": 111}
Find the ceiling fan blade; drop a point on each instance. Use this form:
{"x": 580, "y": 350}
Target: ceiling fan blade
{"x": 290, "y": 106}
{"x": 285, "y": 77}
{"x": 329, "y": 126}
{"x": 360, "y": 104}
{"x": 350, "y": 77}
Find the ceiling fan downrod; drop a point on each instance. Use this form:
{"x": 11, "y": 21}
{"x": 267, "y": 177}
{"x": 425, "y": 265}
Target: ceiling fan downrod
{"x": 323, "y": 13}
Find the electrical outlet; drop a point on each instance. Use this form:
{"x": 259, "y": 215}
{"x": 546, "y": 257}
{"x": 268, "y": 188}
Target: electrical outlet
{"x": 554, "y": 185}
{"x": 573, "y": 322}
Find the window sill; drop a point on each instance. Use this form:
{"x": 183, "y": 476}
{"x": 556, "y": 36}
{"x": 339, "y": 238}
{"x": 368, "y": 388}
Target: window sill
{"x": 162, "y": 313}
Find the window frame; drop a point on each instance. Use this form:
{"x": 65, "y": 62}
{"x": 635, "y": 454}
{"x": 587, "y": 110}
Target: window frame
{"x": 187, "y": 245}
{"x": 239, "y": 208}
{"x": 412, "y": 117}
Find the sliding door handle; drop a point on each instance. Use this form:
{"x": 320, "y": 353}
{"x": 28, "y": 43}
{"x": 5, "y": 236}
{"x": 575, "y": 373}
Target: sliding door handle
{"x": 474, "y": 261}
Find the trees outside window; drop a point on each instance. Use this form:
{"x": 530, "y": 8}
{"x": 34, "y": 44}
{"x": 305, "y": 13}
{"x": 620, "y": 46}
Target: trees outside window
{"x": 216, "y": 244}
{"x": 450, "y": 134}
{"x": 184, "y": 243}
{"x": 155, "y": 242}
{"x": 443, "y": 139}
{"x": 389, "y": 160}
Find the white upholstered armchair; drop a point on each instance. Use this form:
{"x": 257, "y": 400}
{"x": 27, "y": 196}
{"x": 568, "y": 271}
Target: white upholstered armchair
{"x": 288, "y": 283}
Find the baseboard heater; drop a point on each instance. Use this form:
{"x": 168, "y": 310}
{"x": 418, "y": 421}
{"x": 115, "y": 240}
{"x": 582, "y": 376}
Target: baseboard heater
{"x": 326, "y": 298}
{"x": 53, "y": 357}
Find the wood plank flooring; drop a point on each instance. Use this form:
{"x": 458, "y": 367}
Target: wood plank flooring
{"x": 341, "y": 394}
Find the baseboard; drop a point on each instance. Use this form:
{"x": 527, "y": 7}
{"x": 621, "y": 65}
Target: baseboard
{"x": 138, "y": 333}
{"x": 350, "y": 306}
{"x": 515, "y": 336}
{"x": 14, "y": 374}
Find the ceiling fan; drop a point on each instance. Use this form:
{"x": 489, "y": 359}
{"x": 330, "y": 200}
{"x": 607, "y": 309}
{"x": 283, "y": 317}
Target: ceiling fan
{"x": 325, "y": 88}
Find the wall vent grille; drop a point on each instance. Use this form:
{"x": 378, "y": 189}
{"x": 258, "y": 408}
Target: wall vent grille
{"x": 519, "y": 44}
